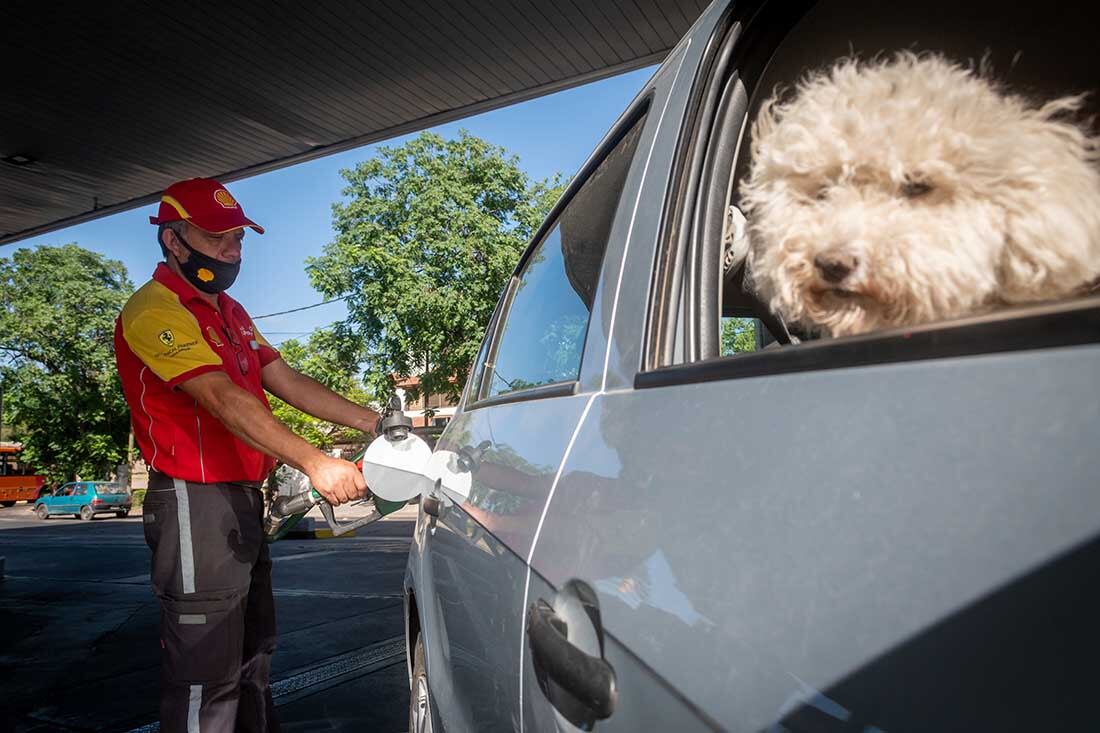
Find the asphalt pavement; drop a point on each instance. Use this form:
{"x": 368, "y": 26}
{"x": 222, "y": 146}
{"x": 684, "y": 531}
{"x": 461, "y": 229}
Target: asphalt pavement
{"x": 79, "y": 648}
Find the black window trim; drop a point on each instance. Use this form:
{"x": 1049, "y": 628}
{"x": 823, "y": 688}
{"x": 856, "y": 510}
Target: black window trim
{"x": 488, "y": 367}
{"x": 634, "y": 114}
{"x": 1026, "y": 328}
{"x": 542, "y": 391}
{"x": 667, "y": 282}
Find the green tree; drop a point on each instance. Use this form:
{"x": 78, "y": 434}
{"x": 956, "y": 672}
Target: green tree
{"x": 426, "y": 238}
{"x": 57, "y": 315}
{"x": 738, "y": 335}
{"x": 323, "y": 357}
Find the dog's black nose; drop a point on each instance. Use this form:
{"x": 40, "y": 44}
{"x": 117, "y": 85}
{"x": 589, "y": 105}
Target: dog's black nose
{"x": 835, "y": 267}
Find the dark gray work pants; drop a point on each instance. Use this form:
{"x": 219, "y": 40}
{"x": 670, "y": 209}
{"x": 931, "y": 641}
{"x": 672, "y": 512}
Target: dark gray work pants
{"x": 212, "y": 574}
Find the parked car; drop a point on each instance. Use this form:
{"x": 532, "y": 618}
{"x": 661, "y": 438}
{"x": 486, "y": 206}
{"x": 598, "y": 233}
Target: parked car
{"x": 631, "y": 529}
{"x": 85, "y": 499}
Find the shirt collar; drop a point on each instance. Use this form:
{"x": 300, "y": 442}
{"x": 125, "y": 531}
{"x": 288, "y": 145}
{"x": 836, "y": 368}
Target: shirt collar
{"x": 164, "y": 275}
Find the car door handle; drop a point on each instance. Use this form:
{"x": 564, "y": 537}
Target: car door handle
{"x": 588, "y": 679}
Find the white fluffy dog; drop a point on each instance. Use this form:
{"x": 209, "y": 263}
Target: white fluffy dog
{"x": 913, "y": 189}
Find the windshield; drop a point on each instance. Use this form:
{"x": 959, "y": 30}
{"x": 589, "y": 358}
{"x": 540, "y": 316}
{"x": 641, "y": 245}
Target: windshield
{"x": 110, "y": 489}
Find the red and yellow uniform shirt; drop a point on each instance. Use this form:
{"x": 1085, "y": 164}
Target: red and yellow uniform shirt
{"x": 167, "y": 333}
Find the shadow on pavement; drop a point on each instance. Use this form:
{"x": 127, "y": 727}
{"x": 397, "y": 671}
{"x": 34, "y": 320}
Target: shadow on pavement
{"x": 79, "y": 648}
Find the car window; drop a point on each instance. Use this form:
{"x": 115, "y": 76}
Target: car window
{"x": 110, "y": 489}
{"x": 798, "y": 269}
{"x": 81, "y": 490}
{"x": 544, "y": 330}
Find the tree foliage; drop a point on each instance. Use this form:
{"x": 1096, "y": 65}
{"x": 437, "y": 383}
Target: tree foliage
{"x": 61, "y": 389}
{"x": 323, "y": 357}
{"x": 426, "y": 238}
{"x": 738, "y": 336}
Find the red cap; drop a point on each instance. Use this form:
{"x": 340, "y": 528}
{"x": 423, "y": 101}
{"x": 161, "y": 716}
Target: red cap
{"x": 205, "y": 203}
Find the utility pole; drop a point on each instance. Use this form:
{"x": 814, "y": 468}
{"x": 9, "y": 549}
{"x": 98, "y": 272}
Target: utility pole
{"x": 428, "y": 411}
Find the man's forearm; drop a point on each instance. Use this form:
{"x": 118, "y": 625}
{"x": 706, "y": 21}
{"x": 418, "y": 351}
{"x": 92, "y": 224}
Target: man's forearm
{"x": 247, "y": 418}
{"x": 312, "y": 397}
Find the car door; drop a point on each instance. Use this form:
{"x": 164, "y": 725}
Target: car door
{"x": 81, "y": 496}
{"x": 62, "y": 502}
{"x": 510, "y": 435}
{"x": 576, "y": 671}
{"x": 887, "y": 533}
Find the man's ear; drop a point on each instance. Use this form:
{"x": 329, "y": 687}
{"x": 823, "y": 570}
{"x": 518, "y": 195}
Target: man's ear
{"x": 171, "y": 242}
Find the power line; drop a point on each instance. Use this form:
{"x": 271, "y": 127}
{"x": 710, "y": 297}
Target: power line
{"x": 303, "y": 308}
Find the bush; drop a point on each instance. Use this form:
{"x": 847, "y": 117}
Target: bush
{"x": 137, "y": 497}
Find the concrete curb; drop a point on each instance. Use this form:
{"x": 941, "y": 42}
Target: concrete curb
{"x": 309, "y": 529}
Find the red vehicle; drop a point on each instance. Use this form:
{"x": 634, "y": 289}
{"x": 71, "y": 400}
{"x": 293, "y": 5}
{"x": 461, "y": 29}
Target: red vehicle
{"x": 17, "y": 481}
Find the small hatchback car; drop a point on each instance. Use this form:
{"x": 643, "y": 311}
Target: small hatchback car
{"x": 85, "y": 499}
{"x": 655, "y": 510}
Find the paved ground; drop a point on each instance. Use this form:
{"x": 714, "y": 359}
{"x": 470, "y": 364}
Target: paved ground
{"x": 79, "y": 647}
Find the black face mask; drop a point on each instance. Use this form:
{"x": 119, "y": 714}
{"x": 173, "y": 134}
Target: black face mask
{"x": 206, "y": 273}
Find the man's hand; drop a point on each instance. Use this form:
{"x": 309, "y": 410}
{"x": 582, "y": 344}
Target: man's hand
{"x": 337, "y": 480}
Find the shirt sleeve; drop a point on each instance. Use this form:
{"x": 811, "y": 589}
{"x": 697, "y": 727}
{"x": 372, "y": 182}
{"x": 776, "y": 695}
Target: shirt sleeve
{"x": 267, "y": 352}
{"x": 170, "y": 343}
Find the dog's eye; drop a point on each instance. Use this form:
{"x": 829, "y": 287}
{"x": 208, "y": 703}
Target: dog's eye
{"x": 821, "y": 192}
{"x": 913, "y": 189}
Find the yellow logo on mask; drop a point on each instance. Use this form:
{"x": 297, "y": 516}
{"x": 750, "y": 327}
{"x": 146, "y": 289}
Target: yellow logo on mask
{"x": 205, "y": 275}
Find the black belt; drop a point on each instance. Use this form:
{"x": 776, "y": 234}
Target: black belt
{"x": 258, "y": 485}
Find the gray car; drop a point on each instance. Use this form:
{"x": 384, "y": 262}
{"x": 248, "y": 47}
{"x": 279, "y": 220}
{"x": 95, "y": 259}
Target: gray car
{"x": 636, "y": 523}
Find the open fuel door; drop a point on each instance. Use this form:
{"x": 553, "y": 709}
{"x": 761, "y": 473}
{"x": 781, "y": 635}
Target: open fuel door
{"x": 399, "y": 465}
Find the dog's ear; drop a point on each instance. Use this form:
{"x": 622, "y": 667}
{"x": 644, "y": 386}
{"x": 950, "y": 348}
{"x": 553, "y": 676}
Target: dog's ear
{"x": 1050, "y": 254}
{"x": 1052, "y": 213}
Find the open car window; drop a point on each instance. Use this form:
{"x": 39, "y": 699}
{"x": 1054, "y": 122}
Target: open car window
{"x": 879, "y": 161}
{"x": 877, "y": 172}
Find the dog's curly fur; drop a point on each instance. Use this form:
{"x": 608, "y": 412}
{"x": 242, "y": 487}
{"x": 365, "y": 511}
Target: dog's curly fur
{"x": 914, "y": 189}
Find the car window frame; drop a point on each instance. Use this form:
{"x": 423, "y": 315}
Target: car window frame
{"x": 1027, "y": 327}
{"x": 477, "y": 391}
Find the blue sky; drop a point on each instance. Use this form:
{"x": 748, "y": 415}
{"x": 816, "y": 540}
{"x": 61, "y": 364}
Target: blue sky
{"x": 550, "y": 134}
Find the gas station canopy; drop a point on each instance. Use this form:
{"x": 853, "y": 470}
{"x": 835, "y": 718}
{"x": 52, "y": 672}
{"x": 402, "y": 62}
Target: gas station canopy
{"x": 104, "y": 104}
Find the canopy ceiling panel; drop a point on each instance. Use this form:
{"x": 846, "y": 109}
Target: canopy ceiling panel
{"x": 103, "y": 104}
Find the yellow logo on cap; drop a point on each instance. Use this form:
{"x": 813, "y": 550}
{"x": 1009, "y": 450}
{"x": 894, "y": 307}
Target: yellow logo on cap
{"x": 205, "y": 275}
{"x": 222, "y": 197}
{"x": 166, "y": 337}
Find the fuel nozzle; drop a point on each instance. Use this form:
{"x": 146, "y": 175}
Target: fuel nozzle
{"x": 286, "y": 506}
{"x": 287, "y": 511}
{"x": 295, "y": 497}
